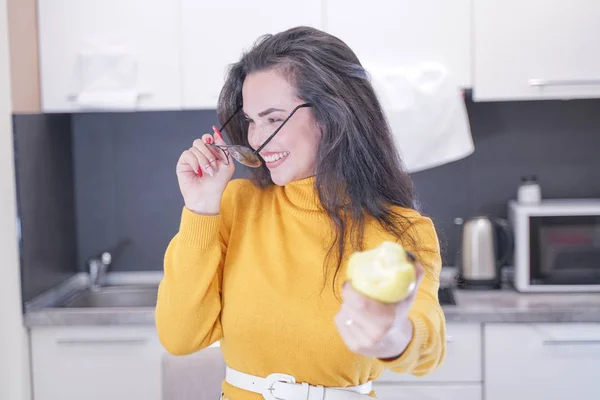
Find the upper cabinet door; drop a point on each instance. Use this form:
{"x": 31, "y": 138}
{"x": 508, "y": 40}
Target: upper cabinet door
{"x": 107, "y": 54}
{"x": 405, "y": 33}
{"x": 216, "y": 33}
{"x": 536, "y": 49}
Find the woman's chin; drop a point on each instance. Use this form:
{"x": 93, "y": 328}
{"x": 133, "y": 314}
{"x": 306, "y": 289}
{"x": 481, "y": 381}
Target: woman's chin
{"x": 282, "y": 176}
{"x": 280, "y": 179}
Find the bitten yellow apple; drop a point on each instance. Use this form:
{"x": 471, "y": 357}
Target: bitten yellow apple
{"x": 384, "y": 273}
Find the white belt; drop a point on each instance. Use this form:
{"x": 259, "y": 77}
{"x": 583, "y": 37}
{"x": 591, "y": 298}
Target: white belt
{"x": 284, "y": 387}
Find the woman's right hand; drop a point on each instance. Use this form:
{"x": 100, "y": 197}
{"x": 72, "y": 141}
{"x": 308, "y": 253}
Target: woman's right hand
{"x": 203, "y": 174}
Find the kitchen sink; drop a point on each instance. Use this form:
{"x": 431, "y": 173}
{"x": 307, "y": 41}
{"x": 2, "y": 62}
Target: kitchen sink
{"x": 114, "y": 296}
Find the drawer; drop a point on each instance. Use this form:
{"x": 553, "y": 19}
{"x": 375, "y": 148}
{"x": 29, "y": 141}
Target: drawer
{"x": 463, "y": 358}
{"x": 397, "y": 391}
{"x": 542, "y": 361}
{"x": 96, "y": 363}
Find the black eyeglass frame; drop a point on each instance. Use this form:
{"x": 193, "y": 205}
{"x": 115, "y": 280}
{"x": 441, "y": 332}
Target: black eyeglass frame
{"x": 243, "y": 154}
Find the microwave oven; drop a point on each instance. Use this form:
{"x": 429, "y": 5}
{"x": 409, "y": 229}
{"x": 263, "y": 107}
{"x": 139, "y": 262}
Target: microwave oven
{"x": 556, "y": 245}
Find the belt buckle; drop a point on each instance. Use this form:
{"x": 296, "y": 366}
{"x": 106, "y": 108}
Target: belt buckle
{"x": 271, "y": 380}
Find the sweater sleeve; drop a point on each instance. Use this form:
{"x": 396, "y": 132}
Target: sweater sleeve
{"x": 427, "y": 348}
{"x": 188, "y": 308}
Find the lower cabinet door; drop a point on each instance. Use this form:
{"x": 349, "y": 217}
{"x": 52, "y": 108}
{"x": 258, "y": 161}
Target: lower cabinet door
{"x": 395, "y": 391}
{"x": 96, "y": 363}
{"x": 559, "y": 361}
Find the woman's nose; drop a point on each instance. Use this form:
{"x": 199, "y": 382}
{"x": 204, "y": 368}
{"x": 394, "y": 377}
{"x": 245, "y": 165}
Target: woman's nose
{"x": 256, "y": 137}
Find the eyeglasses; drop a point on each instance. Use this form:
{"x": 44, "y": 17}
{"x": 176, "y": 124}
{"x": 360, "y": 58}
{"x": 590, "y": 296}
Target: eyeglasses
{"x": 244, "y": 154}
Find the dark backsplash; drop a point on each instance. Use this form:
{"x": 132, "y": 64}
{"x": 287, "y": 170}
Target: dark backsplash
{"x": 125, "y": 182}
{"x": 44, "y": 175}
{"x": 126, "y": 186}
{"x": 555, "y": 140}
{"x": 126, "y": 190}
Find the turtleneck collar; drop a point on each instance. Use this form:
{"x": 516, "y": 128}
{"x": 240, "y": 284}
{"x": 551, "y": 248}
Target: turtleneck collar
{"x": 303, "y": 194}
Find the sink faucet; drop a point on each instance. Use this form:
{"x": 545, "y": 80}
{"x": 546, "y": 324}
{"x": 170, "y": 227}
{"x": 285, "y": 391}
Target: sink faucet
{"x": 98, "y": 266}
{"x": 97, "y": 269}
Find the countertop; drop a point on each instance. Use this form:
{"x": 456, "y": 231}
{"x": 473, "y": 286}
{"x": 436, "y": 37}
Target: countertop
{"x": 505, "y": 305}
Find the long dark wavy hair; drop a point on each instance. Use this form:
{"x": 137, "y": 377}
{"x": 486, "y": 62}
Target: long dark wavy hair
{"x": 359, "y": 174}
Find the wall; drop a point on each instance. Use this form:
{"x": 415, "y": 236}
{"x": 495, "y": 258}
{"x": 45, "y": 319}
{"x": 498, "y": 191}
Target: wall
{"x": 24, "y": 59}
{"x": 126, "y": 187}
{"x": 555, "y": 140}
{"x": 14, "y": 366}
{"x": 45, "y": 193}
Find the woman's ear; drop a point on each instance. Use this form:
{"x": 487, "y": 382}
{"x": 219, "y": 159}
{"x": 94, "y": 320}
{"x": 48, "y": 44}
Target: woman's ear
{"x": 320, "y": 127}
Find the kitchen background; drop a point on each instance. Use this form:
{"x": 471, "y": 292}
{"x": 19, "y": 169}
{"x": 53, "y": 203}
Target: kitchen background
{"x": 107, "y": 179}
{"x": 91, "y": 181}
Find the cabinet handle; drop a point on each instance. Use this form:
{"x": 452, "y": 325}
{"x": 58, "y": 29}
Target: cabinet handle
{"x": 571, "y": 342}
{"x": 118, "y": 341}
{"x": 574, "y": 82}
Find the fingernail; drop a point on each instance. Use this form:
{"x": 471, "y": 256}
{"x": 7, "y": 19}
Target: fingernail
{"x": 199, "y": 171}
{"x": 209, "y": 170}
{"x": 217, "y": 131}
{"x": 209, "y": 140}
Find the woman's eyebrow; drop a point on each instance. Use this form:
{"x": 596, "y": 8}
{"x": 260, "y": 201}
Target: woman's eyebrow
{"x": 266, "y": 112}
{"x": 269, "y": 111}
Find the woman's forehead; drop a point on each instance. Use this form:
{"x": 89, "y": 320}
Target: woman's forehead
{"x": 265, "y": 90}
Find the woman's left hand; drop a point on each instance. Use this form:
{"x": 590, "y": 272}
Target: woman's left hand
{"x": 375, "y": 329}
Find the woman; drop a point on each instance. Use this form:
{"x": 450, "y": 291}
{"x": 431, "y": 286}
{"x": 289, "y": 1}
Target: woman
{"x": 259, "y": 264}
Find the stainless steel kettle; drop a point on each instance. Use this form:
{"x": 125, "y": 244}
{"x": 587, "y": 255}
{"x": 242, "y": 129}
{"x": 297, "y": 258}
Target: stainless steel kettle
{"x": 487, "y": 244}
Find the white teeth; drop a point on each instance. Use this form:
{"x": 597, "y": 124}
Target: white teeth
{"x": 276, "y": 156}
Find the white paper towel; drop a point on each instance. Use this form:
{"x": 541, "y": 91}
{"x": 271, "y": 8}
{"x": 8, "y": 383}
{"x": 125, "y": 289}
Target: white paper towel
{"x": 108, "y": 75}
{"x": 426, "y": 113}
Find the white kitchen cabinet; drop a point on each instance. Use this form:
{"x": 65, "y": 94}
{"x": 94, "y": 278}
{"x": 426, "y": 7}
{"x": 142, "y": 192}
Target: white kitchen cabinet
{"x": 112, "y": 54}
{"x": 463, "y": 358}
{"x": 405, "y": 33}
{"x": 542, "y": 361}
{"x": 536, "y": 49}
{"x": 96, "y": 363}
{"x": 428, "y": 392}
{"x": 216, "y": 33}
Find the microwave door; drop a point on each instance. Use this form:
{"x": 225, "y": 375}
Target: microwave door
{"x": 548, "y": 260}
{"x": 574, "y": 266}
{"x": 559, "y": 241}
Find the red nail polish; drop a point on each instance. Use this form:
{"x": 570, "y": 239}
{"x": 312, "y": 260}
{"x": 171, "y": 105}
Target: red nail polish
{"x": 209, "y": 140}
{"x": 218, "y": 132}
{"x": 199, "y": 171}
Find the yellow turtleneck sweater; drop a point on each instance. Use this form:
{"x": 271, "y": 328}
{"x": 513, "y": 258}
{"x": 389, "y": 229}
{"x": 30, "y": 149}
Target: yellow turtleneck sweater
{"x": 252, "y": 278}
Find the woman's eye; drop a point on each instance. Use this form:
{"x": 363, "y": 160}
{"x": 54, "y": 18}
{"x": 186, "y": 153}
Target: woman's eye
{"x": 273, "y": 120}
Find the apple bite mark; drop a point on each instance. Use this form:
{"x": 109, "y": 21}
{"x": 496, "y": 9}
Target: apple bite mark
{"x": 385, "y": 273}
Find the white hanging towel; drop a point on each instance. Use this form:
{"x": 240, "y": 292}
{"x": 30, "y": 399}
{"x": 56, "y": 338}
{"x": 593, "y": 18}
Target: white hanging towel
{"x": 426, "y": 112}
{"x": 107, "y": 75}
